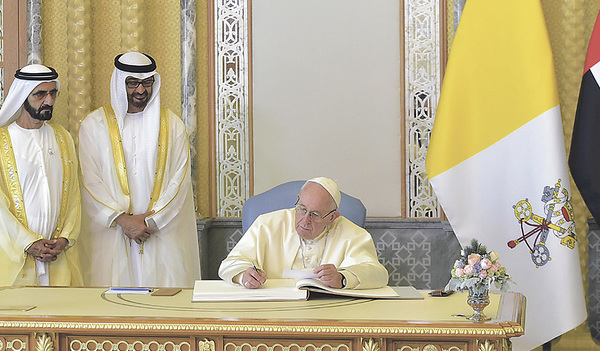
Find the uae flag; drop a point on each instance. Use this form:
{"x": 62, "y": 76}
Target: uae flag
{"x": 497, "y": 160}
{"x": 584, "y": 159}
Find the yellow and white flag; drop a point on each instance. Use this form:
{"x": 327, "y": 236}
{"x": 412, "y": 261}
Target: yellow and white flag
{"x": 497, "y": 160}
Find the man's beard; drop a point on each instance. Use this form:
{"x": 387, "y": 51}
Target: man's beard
{"x": 141, "y": 101}
{"x": 44, "y": 113}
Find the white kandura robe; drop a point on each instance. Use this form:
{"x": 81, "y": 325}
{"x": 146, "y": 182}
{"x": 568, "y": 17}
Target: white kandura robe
{"x": 40, "y": 174}
{"x": 171, "y": 255}
{"x": 40, "y": 171}
{"x": 273, "y": 245}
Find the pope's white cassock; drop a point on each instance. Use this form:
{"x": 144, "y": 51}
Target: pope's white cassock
{"x": 273, "y": 244}
{"x": 150, "y": 171}
{"x": 39, "y": 191}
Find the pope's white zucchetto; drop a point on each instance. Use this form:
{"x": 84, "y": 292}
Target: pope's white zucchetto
{"x": 331, "y": 188}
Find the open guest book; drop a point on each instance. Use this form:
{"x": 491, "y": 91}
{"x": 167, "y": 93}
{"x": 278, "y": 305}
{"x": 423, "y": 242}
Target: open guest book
{"x": 290, "y": 289}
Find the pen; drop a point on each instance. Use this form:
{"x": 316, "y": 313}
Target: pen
{"x": 130, "y": 290}
{"x": 256, "y": 269}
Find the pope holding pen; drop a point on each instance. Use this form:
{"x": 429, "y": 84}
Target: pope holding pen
{"x": 258, "y": 277}
{"x": 311, "y": 236}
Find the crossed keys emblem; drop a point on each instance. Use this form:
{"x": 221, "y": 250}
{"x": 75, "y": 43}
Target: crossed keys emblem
{"x": 558, "y": 219}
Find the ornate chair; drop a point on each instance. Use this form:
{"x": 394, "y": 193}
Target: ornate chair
{"x": 284, "y": 196}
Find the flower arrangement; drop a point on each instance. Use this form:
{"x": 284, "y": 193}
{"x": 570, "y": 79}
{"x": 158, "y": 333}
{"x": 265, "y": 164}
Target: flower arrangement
{"x": 477, "y": 269}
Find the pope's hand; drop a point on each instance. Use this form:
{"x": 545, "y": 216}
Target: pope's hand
{"x": 329, "y": 275}
{"x": 253, "y": 279}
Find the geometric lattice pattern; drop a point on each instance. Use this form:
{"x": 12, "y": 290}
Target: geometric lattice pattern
{"x": 233, "y": 239}
{"x": 232, "y": 106}
{"x": 415, "y": 254}
{"x": 406, "y": 262}
{"x": 418, "y": 253}
{"x": 421, "y": 89}
{"x": 593, "y": 293}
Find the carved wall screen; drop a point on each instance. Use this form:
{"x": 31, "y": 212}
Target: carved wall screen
{"x": 423, "y": 40}
{"x": 231, "y": 100}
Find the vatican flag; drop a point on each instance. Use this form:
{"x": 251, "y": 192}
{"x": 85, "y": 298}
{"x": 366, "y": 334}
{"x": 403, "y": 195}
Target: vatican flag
{"x": 497, "y": 160}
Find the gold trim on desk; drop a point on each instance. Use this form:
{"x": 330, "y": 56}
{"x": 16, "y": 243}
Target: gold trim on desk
{"x": 44, "y": 342}
{"x": 90, "y": 316}
{"x": 505, "y": 330}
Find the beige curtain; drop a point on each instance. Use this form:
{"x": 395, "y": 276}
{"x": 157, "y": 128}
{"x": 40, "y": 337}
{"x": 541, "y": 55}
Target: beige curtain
{"x": 80, "y": 38}
{"x": 570, "y": 24}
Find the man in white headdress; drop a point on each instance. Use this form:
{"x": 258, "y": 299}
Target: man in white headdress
{"x": 312, "y": 236}
{"x": 138, "y": 211}
{"x": 39, "y": 186}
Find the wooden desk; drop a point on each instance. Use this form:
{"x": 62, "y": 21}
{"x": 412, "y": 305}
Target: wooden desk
{"x": 86, "y": 319}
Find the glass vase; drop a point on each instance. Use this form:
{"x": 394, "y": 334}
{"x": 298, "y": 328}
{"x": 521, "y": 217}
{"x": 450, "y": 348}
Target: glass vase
{"x": 478, "y": 300}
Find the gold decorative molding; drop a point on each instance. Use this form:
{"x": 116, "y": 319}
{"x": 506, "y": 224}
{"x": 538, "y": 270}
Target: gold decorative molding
{"x": 491, "y": 331}
{"x": 44, "y": 343}
{"x": 453, "y": 348}
{"x": 13, "y": 343}
{"x": 486, "y": 345}
{"x": 430, "y": 347}
{"x": 371, "y": 345}
{"x": 124, "y": 344}
{"x": 206, "y": 345}
{"x": 232, "y": 346}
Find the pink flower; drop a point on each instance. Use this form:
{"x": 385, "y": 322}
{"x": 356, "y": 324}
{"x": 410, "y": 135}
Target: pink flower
{"x": 468, "y": 270}
{"x": 486, "y": 263}
{"x": 473, "y": 259}
{"x": 494, "y": 256}
{"x": 483, "y": 274}
{"x": 459, "y": 272}
{"x": 495, "y": 267}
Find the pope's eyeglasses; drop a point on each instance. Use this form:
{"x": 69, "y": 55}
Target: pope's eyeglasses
{"x": 313, "y": 215}
{"x": 133, "y": 84}
{"x": 41, "y": 94}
